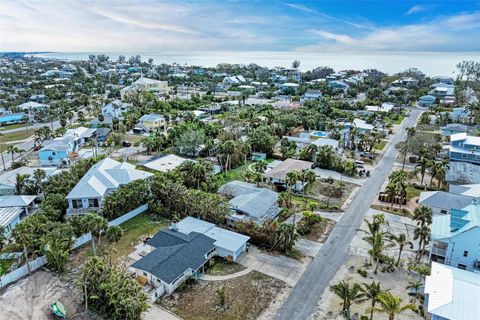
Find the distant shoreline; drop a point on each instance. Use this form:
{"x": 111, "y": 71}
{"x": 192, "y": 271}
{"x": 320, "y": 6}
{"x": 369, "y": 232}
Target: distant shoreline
{"x": 431, "y": 63}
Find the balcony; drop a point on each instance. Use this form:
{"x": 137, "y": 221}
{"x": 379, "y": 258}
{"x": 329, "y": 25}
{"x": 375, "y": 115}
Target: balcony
{"x": 438, "y": 251}
{"x": 81, "y": 211}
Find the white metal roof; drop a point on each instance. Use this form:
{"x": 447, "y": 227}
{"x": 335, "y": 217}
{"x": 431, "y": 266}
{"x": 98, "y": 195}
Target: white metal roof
{"x": 453, "y": 293}
{"x": 7, "y": 215}
{"x": 165, "y": 163}
{"x": 226, "y": 239}
{"x": 16, "y": 201}
{"x": 105, "y": 175}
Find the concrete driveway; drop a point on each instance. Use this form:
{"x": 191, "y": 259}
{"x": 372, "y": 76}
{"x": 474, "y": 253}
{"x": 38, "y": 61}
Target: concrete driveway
{"x": 278, "y": 267}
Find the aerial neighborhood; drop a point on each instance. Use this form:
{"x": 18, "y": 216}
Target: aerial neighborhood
{"x": 133, "y": 189}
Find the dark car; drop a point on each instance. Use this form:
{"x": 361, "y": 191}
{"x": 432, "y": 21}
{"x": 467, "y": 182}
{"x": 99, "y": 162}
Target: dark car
{"x": 126, "y": 144}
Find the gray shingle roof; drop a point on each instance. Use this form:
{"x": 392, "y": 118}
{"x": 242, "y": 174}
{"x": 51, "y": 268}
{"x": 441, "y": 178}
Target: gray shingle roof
{"x": 258, "y": 203}
{"x": 463, "y": 173}
{"x": 175, "y": 255}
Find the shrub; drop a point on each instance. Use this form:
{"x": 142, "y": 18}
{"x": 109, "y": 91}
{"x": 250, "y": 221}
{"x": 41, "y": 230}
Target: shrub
{"x": 363, "y": 273}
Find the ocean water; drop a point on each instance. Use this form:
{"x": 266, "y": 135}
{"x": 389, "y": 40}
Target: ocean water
{"x": 431, "y": 63}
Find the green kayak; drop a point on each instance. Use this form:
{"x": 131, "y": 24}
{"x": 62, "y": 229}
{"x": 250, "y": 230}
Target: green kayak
{"x": 58, "y": 310}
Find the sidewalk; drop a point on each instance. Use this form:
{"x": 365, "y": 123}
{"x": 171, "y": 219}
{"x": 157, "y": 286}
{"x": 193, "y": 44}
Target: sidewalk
{"x": 208, "y": 277}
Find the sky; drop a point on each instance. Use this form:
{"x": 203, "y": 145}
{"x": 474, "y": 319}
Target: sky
{"x": 239, "y": 25}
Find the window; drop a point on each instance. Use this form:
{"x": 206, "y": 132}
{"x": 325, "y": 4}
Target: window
{"x": 443, "y": 211}
{"x": 462, "y": 266}
{"x": 93, "y": 203}
{"x": 53, "y": 153}
{"x": 464, "y": 156}
{"x": 77, "y": 203}
{"x": 465, "y": 253}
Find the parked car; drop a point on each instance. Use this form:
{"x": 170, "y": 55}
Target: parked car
{"x": 359, "y": 163}
{"x": 368, "y": 155}
{"x": 126, "y": 144}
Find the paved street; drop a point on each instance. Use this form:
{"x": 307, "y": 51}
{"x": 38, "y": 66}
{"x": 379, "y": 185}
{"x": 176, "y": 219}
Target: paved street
{"x": 303, "y": 299}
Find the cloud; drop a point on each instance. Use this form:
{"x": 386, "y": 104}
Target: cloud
{"x": 144, "y": 24}
{"x": 300, "y": 7}
{"x": 416, "y": 9}
{"x": 454, "y": 33}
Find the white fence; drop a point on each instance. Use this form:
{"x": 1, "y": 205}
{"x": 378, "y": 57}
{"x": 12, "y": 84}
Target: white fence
{"x": 41, "y": 261}
{"x": 10, "y": 255}
{"x": 22, "y": 271}
{"x": 128, "y": 216}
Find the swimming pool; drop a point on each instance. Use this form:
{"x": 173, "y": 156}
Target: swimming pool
{"x": 320, "y": 134}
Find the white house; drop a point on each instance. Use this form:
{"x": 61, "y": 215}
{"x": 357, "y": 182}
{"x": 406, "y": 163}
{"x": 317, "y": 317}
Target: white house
{"x": 102, "y": 179}
{"x": 452, "y": 293}
{"x": 145, "y": 84}
{"x": 456, "y": 238}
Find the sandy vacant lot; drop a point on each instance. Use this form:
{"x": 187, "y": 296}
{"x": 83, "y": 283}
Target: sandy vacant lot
{"x": 29, "y": 298}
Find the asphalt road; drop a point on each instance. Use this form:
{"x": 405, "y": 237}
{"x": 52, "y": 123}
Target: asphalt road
{"x": 304, "y": 297}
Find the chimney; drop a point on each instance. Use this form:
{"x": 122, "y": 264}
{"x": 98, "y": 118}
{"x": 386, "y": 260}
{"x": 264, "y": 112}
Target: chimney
{"x": 173, "y": 225}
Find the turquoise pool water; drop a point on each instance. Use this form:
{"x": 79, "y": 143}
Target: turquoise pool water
{"x": 11, "y": 117}
{"x": 321, "y": 134}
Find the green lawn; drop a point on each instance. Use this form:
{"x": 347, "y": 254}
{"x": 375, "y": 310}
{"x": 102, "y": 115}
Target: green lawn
{"x": 234, "y": 174}
{"x": 381, "y": 145}
{"x": 14, "y": 126}
{"x": 134, "y": 230}
{"x": 413, "y": 192}
{"x": 4, "y": 265}
{"x": 22, "y": 135}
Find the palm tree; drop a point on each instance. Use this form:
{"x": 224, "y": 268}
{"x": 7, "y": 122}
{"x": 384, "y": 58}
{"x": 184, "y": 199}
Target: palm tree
{"x": 391, "y": 305}
{"x": 291, "y": 180}
{"x": 415, "y": 285}
{"x": 401, "y": 240}
{"x": 423, "y": 216}
{"x": 285, "y": 199}
{"x": 12, "y": 150}
{"x": 20, "y": 182}
{"x": 38, "y": 176}
{"x": 260, "y": 166}
{"x": 371, "y": 292}
{"x": 349, "y": 294}
{"x": 422, "y": 165}
{"x": 96, "y": 225}
{"x": 114, "y": 233}
{"x": 391, "y": 190}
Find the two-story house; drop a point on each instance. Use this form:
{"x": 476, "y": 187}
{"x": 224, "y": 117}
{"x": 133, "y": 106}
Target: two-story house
{"x": 102, "y": 179}
{"x": 59, "y": 151}
{"x": 464, "y": 148}
{"x": 456, "y": 237}
{"x": 152, "y": 122}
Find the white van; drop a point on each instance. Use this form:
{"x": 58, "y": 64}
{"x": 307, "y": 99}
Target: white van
{"x": 359, "y": 163}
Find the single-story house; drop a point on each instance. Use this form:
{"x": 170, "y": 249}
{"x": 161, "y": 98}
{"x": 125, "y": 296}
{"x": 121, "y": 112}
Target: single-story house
{"x": 9, "y": 218}
{"x": 311, "y": 95}
{"x": 164, "y": 163}
{"x": 181, "y": 251}
{"x": 462, "y": 173}
{"x": 8, "y": 178}
{"x": 278, "y": 175}
{"x": 289, "y": 86}
{"x": 26, "y": 203}
{"x": 250, "y": 203}
{"x": 452, "y": 293}
{"x": 442, "y": 202}
{"x": 102, "y": 179}
{"x": 426, "y": 101}
{"x": 32, "y": 106}
{"x": 114, "y": 109}
{"x": 385, "y": 107}
{"x": 454, "y": 128}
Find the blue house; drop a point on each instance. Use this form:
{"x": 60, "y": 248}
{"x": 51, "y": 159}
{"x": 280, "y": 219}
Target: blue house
{"x": 426, "y": 101}
{"x": 56, "y": 152}
{"x": 465, "y": 148}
